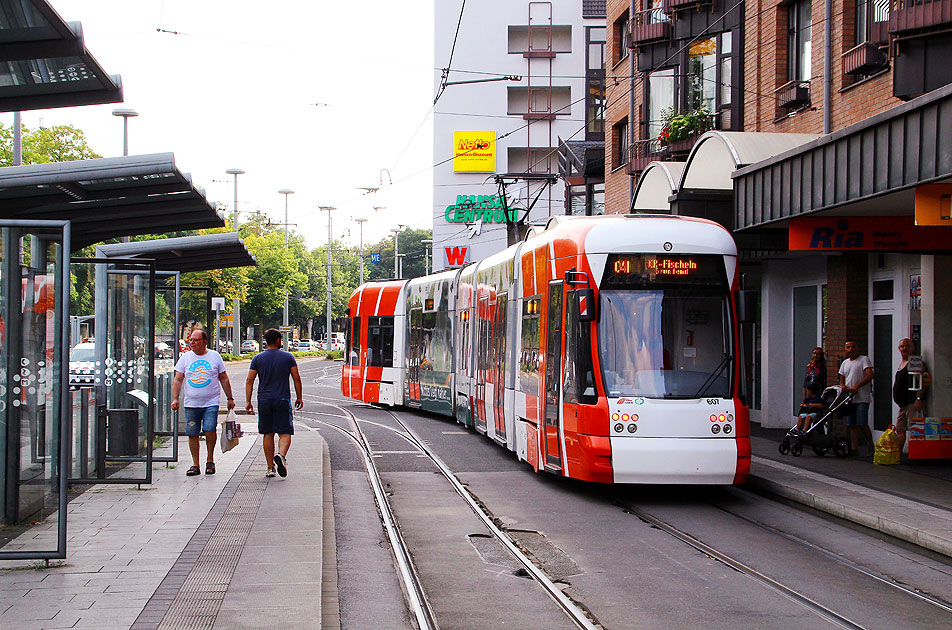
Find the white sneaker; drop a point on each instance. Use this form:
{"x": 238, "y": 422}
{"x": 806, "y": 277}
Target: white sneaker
{"x": 281, "y": 465}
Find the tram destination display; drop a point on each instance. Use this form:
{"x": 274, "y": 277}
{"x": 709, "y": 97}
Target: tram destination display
{"x": 653, "y": 270}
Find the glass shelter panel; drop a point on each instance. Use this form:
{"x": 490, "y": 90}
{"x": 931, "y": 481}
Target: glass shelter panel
{"x": 114, "y": 421}
{"x": 33, "y": 333}
{"x": 166, "y": 351}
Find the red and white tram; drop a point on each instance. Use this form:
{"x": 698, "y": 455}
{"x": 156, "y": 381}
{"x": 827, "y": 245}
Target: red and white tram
{"x": 601, "y": 348}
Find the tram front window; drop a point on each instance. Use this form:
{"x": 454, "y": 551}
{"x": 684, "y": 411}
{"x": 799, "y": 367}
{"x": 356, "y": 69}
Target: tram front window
{"x": 665, "y": 343}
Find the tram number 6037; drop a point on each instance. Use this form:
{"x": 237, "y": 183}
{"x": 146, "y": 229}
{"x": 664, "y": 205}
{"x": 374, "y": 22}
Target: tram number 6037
{"x": 712, "y": 401}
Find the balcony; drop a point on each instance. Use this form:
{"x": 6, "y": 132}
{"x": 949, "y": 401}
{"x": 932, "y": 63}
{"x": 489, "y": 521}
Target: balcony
{"x": 674, "y": 6}
{"x": 649, "y": 26}
{"x": 913, "y": 16}
{"x": 864, "y": 59}
{"x": 793, "y": 94}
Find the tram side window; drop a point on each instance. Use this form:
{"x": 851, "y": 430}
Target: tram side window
{"x": 354, "y": 345}
{"x": 380, "y": 342}
{"x": 529, "y": 359}
{"x": 483, "y": 338}
{"x": 499, "y": 342}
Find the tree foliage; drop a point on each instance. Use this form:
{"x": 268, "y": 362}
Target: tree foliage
{"x": 60, "y": 143}
{"x": 410, "y": 243}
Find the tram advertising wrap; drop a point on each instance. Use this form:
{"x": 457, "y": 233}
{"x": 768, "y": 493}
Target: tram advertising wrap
{"x": 600, "y": 348}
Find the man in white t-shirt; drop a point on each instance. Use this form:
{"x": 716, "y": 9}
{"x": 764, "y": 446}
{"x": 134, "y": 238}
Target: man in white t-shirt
{"x": 856, "y": 373}
{"x": 203, "y": 373}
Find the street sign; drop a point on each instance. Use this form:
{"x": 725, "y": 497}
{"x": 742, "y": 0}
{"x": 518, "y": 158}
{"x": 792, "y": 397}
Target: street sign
{"x": 375, "y": 258}
{"x": 218, "y": 304}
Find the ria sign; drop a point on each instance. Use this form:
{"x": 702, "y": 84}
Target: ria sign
{"x": 485, "y": 208}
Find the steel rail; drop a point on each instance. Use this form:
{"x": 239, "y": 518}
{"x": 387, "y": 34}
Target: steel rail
{"x": 411, "y": 580}
{"x": 795, "y": 596}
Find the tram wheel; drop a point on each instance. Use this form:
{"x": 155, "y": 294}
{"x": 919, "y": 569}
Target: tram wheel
{"x": 796, "y": 449}
{"x": 842, "y": 448}
{"x": 784, "y": 447}
{"x": 821, "y": 450}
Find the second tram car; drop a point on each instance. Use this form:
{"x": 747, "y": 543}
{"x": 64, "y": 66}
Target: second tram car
{"x": 600, "y": 348}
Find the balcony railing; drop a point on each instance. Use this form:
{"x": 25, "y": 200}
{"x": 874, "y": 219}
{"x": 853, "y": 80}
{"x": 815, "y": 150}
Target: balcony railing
{"x": 652, "y": 25}
{"x": 673, "y": 6}
{"x": 793, "y": 94}
{"x": 909, "y": 16}
{"x": 644, "y": 152}
{"x": 864, "y": 59}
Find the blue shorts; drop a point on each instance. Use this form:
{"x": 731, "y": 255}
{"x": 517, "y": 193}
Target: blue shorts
{"x": 274, "y": 416}
{"x": 859, "y": 415}
{"x": 198, "y": 419}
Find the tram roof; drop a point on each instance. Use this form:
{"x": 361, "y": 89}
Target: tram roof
{"x": 46, "y": 64}
{"x": 187, "y": 253}
{"x": 107, "y": 197}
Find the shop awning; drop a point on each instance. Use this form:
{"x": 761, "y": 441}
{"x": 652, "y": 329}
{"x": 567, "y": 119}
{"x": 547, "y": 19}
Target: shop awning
{"x": 108, "y": 197}
{"x": 188, "y": 253}
{"x": 869, "y": 169}
{"x": 45, "y": 63}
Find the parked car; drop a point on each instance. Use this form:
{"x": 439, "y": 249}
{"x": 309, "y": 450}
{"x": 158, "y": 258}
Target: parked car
{"x": 82, "y": 364}
{"x": 225, "y": 346}
{"x": 250, "y": 345}
{"x": 163, "y": 350}
{"x": 306, "y": 345}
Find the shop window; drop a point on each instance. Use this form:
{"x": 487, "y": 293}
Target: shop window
{"x": 882, "y": 290}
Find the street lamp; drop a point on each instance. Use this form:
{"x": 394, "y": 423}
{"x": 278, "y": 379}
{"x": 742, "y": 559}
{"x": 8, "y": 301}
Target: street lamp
{"x": 426, "y": 255}
{"x": 126, "y": 114}
{"x": 327, "y": 336}
{"x": 285, "y": 192}
{"x": 396, "y": 250}
{"x": 360, "y": 221}
{"x": 236, "y": 333}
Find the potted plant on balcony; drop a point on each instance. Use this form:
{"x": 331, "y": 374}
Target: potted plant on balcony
{"x": 681, "y": 128}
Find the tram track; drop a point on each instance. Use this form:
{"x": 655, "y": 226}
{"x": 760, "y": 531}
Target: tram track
{"x": 570, "y": 608}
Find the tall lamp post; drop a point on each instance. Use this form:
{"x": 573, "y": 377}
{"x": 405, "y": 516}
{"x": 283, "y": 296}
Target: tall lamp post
{"x": 126, "y": 114}
{"x": 236, "y": 332}
{"x": 285, "y": 192}
{"x": 360, "y": 221}
{"x": 396, "y": 250}
{"x": 327, "y": 335}
{"x": 426, "y": 255}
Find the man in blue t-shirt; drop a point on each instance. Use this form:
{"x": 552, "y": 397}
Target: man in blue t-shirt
{"x": 272, "y": 369}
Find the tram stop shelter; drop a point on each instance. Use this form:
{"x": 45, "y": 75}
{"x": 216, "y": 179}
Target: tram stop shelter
{"x": 90, "y": 417}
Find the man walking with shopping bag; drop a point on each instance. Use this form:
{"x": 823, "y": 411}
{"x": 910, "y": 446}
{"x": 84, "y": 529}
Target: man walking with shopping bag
{"x": 203, "y": 373}
{"x": 272, "y": 369}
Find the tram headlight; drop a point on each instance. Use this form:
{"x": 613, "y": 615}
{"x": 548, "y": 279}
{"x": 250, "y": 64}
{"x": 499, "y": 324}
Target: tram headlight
{"x": 624, "y": 416}
{"x": 727, "y": 429}
{"x": 615, "y": 417}
{"x": 632, "y": 428}
{"x": 721, "y": 418}
{"x": 619, "y": 427}
{"x": 715, "y": 429}
{"x": 713, "y": 417}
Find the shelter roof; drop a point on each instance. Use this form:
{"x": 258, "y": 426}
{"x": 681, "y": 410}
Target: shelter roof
{"x": 187, "y": 253}
{"x": 107, "y": 197}
{"x": 45, "y": 62}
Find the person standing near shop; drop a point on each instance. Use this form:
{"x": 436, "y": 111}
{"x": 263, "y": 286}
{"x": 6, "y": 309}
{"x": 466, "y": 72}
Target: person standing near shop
{"x": 908, "y": 399}
{"x": 856, "y": 373}
{"x": 272, "y": 369}
{"x": 203, "y": 373}
{"x": 815, "y": 374}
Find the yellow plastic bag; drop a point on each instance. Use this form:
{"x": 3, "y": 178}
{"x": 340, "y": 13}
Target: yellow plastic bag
{"x": 887, "y": 448}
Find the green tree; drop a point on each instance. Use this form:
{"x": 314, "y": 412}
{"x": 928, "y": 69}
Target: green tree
{"x": 60, "y": 143}
{"x": 410, "y": 243}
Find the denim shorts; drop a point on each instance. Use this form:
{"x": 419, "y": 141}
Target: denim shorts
{"x": 275, "y": 416}
{"x": 198, "y": 419}
{"x": 859, "y": 415}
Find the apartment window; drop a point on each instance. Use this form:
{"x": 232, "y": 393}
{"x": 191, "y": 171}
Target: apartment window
{"x": 662, "y": 95}
{"x": 701, "y": 82}
{"x": 872, "y": 17}
{"x": 595, "y": 78}
{"x": 621, "y": 37}
{"x": 620, "y": 143}
{"x": 799, "y": 44}
{"x": 724, "y": 56}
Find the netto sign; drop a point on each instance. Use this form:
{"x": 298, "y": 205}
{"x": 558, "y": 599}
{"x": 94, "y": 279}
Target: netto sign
{"x": 485, "y": 208}
{"x": 474, "y": 151}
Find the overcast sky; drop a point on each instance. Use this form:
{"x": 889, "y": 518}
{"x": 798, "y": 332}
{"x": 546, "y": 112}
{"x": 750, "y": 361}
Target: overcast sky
{"x": 237, "y": 88}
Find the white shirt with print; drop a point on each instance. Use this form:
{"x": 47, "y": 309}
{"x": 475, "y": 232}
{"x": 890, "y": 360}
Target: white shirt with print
{"x": 202, "y": 387}
{"x": 853, "y": 371}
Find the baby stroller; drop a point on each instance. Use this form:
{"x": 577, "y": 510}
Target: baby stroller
{"x": 820, "y": 436}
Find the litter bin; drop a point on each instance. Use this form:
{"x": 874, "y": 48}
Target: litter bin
{"x": 122, "y": 430}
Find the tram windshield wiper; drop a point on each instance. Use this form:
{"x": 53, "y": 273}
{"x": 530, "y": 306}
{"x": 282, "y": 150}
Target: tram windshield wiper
{"x": 713, "y": 376}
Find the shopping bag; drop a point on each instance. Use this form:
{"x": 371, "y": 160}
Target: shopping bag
{"x": 229, "y": 432}
{"x": 887, "y": 448}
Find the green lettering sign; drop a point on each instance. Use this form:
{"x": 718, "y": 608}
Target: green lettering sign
{"x": 486, "y": 208}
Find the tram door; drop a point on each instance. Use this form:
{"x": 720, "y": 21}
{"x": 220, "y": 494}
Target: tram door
{"x": 553, "y": 367}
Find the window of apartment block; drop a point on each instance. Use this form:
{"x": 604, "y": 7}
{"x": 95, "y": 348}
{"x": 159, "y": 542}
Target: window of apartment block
{"x": 621, "y": 38}
{"x": 595, "y": 79}
{"x": 662, "y": 95}
{"x": 799, "y": 41}
{"x": 701, "y": 82}
{"x": 620, "y": 143}
{"x": 872, "y": 17}
{"x": 655, "y": 11}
